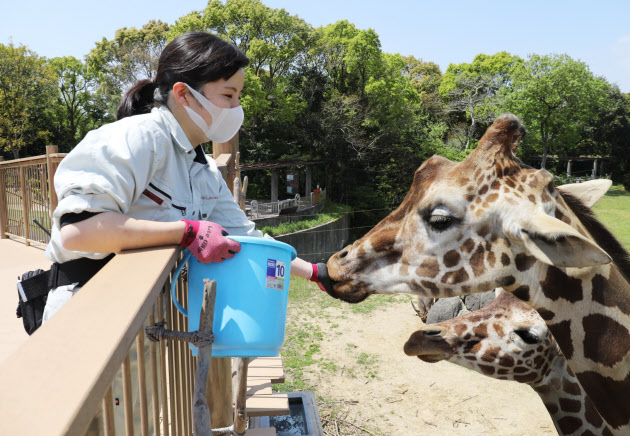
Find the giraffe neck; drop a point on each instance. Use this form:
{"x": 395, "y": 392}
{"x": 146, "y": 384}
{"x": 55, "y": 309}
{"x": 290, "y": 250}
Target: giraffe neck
{"x": 570, "y": 408}
{"x": 589, "y": 317}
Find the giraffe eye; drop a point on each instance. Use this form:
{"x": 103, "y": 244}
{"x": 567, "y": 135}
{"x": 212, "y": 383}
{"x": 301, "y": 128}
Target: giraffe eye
{"x": 528, "y": 336}
{"x": 439, "y": 223}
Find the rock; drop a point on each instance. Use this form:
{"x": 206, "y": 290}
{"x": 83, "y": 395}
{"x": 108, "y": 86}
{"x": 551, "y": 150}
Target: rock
{"x": 443, "y": 309}
{"x": 447, "y": 308}
{"x": 477, "y": 301}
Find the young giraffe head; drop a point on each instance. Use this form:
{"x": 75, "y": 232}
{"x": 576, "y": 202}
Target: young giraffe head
{"x": 466, "y": 227}
{"x": 508, "y": 340}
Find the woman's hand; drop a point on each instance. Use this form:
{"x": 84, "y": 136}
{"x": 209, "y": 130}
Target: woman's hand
{"x": 207, "y": 242}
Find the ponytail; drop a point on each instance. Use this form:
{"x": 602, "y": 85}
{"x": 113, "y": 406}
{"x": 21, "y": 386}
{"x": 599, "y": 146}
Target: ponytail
{"x": 138, "y": 99}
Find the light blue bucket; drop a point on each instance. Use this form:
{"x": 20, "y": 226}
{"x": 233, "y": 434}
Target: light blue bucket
{"x": 250, "y": 308}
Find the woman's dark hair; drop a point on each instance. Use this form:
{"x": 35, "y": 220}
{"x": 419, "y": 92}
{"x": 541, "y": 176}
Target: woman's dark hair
{"x": 194, "y": 58}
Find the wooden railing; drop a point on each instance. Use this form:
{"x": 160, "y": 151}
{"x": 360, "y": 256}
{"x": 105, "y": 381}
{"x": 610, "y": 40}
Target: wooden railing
{"x": 27, "y": 193}
{"x": 261, "y": 208}
{"x": 89, "y": 369}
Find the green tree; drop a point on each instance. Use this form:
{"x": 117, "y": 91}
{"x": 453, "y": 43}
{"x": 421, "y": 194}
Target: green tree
{"x": 78, "y": 109}
{"x": 426, "y": 78}
{"x": 472, "y": 89}
{"x": 555, "y": 96}
{"x": 130, "y": 56}
{"x": 608, "y": 133}
{"x": 350, "y": 56}
{"x": 27, "y": 87}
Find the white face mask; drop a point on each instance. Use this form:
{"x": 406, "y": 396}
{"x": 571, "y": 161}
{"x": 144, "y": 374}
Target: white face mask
{"x": 225, "y": 121}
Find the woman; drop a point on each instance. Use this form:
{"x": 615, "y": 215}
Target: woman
{"x": 144, "y": 181}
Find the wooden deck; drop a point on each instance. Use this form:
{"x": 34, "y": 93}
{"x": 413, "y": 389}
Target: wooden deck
{"x": 15, "y": 259}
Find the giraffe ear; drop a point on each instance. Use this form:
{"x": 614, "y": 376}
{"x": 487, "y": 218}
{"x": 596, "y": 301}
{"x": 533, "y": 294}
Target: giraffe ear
{"x": 589, "y": 192}
{"x": 556, "y": 243}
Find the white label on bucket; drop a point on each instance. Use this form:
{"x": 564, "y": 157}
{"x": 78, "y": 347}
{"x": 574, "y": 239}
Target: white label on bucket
{"x": 275, "y": 274}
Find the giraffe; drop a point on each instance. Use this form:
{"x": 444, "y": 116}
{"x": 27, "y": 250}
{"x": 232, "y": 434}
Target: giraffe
{"x": 491, "y": 221}
{"x": 508, "y": 340}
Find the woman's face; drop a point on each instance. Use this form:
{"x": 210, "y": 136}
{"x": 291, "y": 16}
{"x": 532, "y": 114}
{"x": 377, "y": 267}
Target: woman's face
{"x": 222, "y": 93}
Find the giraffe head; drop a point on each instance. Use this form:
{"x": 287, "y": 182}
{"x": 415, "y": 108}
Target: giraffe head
{"x": 467, "y": 227}
{"x": 507, "y": 340}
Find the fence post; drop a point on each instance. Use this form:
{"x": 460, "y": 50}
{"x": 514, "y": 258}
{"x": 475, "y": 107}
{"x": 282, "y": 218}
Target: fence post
{"x": 25, "y": 214}
{"x": 52, "y": 168}
{"x": 3, "y": 203}
{"x": 231, "y": 147}
{"x": 219, "y": 388}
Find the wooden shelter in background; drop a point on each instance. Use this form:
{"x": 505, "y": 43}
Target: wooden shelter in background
{"x": 274, "y": 166}
{"x": 600, "y": 163}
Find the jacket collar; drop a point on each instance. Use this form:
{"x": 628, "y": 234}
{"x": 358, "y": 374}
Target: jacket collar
{"x": 179, "y": 137}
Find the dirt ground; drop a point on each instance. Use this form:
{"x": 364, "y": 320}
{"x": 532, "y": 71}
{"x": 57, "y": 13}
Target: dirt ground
{"x": 374, "y": 388}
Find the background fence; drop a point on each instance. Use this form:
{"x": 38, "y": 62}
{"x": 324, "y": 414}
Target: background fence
{"x": 27, "y": 194}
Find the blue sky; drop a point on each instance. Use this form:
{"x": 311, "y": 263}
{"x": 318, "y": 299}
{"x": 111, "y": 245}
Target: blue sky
{"x": 443, "y": 32}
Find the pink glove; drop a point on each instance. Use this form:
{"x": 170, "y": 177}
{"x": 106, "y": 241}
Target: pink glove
{"x": 207, "y": 242}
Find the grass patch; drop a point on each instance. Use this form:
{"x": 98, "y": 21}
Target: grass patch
{"x": 613, "y": 210}
{"x": 331, "y": 212}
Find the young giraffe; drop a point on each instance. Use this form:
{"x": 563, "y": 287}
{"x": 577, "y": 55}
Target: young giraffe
{"x": 491, "y": 221}
{"x": 508, "y": 340}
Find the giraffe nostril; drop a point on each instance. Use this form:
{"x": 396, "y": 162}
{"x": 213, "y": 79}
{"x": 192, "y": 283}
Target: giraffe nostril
{"x": 431, "y": 332}
{"x": 343, "y": 254}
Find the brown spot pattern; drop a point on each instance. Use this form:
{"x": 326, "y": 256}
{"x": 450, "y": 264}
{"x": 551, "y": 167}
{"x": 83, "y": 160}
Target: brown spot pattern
{"x": 526, "y": 378}
{"x": 476, "y": 261}
{"x": 569, "y": 424}
{"x": 522, "y": 293}
{"x": 570, "y": 387}
{"x": 605, "y": 340}
{"x": 506, "y": 281}
{"x": 451, "y": 259}
{"x": 558, "y": 284}
{"x": 505, "y": 259}
{"x": 551, "y": 408}
{"x": 610, "y": 395}
{"x": 455, "y": 277}
{"x": 491, "y": 354}
{"x": 497, "y": 328}
{"x": 481, "y": 331}
{"x": 591, "y": 413}
{"x": 428, "y": 268}
{"x": 561, "y": 331}
{"x": 491, "y": 258}
{"x": 486, "y": 369}
{"x": 467, "y": 246}
{"x": 430, "y": 286}
{"x": 484, "y": 230}
{"x": 524, "y": 262}
{"x": 569, "y": 405}
{"x": 506, "y": 360}
{"x": 606, "y": 296}
{"x": 545, "y": 314}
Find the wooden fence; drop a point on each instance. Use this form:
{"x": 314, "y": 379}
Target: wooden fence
{"x": 27, "y": 194}
{"x": 91, "y": 370}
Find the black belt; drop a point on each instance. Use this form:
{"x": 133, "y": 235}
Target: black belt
{"x": 61, "y": 274}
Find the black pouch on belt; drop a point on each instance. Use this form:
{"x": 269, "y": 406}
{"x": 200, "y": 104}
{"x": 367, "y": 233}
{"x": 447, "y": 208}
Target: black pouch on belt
{"x": 33, "y": 286}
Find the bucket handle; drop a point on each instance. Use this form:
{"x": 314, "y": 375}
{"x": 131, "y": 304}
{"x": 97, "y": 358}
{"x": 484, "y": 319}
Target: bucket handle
{"x": 178, "y": 270}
